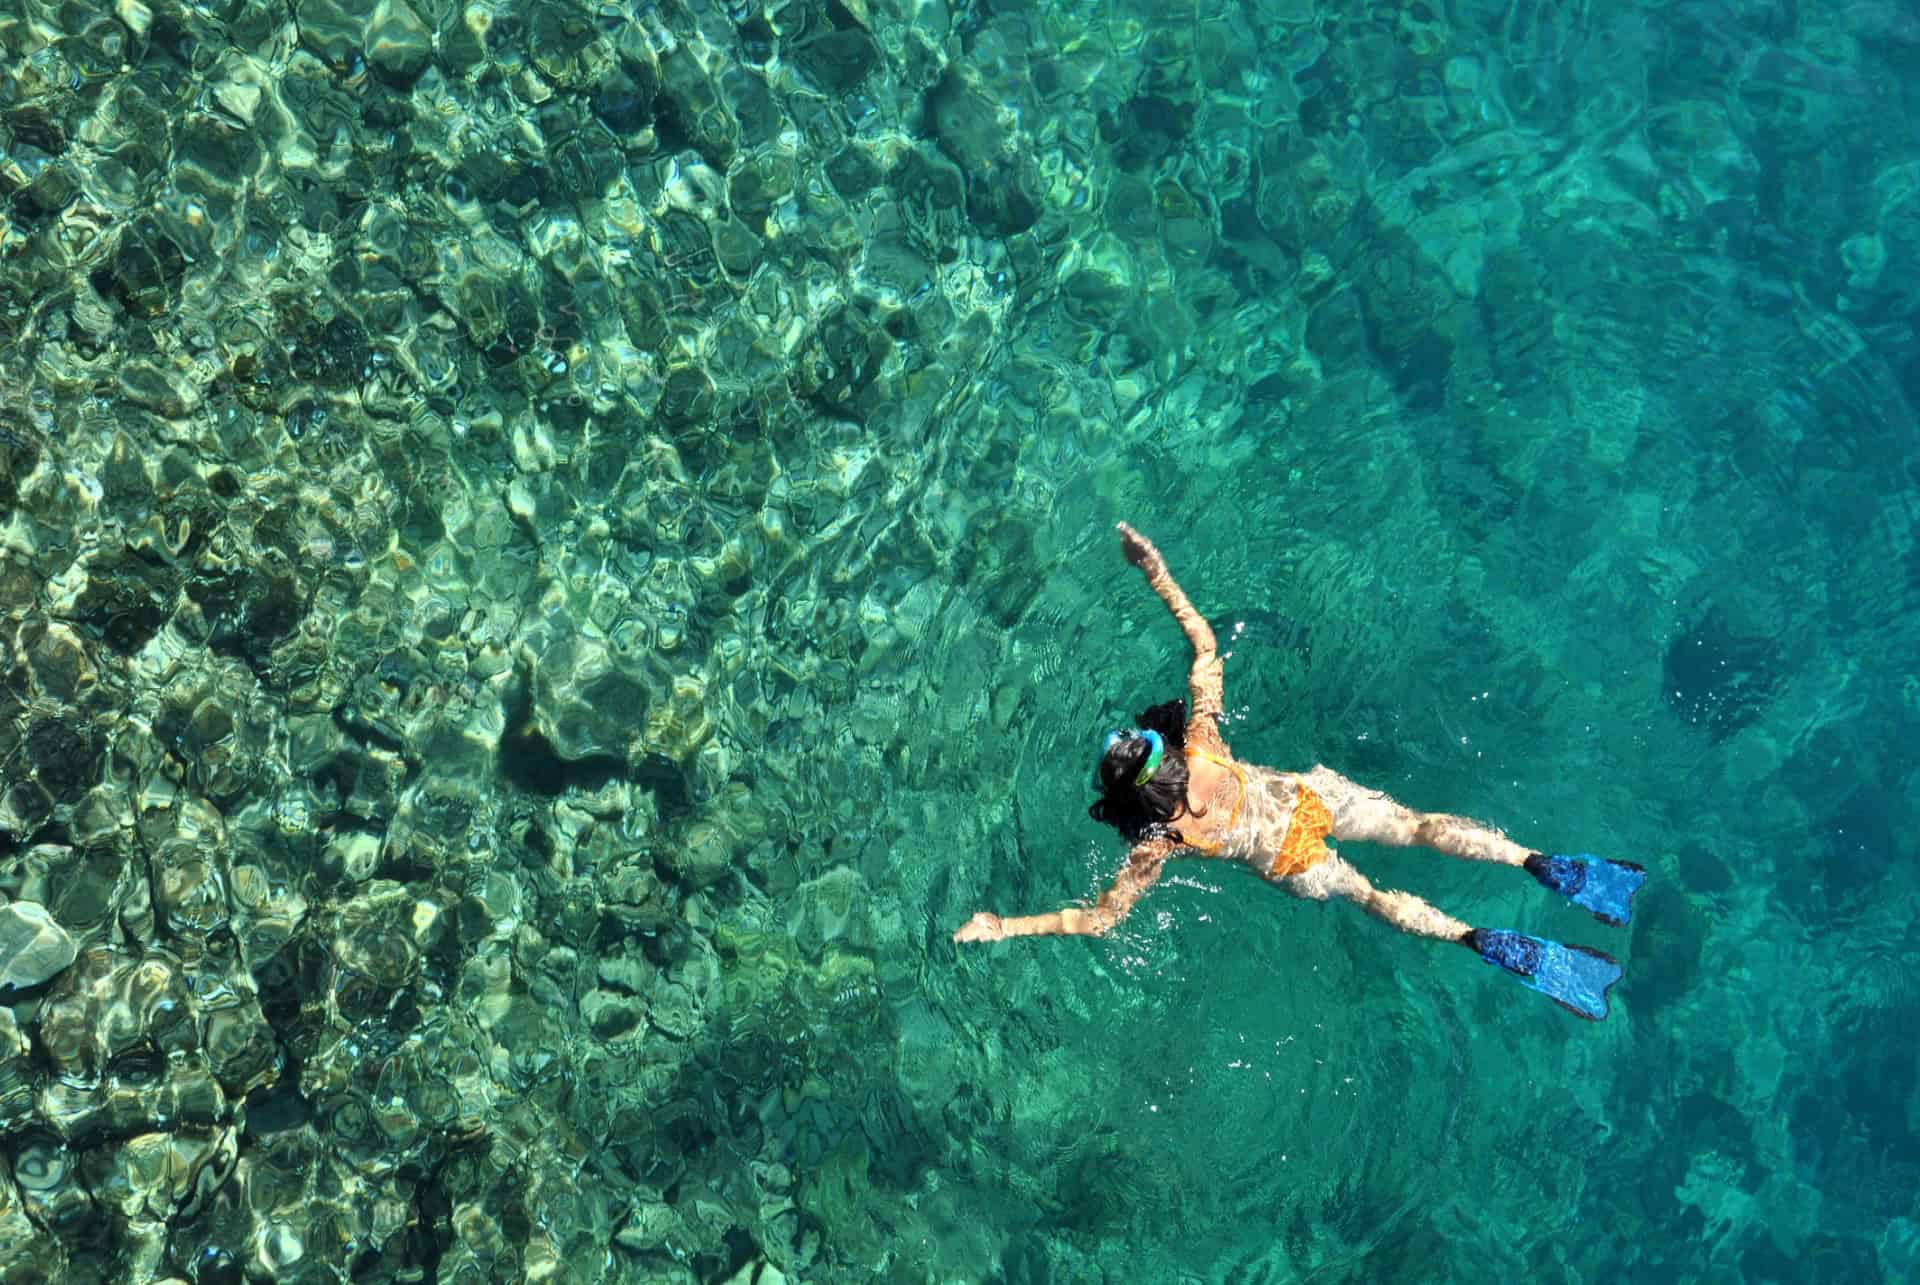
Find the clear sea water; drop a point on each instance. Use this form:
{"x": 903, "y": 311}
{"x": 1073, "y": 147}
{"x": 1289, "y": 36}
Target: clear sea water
{"x": 724, "y": 411}
{"x": 1619, "y": 555}
{"x": 1696, "y": 654}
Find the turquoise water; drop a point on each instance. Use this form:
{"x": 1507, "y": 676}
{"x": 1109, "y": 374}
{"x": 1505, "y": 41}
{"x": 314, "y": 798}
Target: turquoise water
{"x": 551, "y": 553}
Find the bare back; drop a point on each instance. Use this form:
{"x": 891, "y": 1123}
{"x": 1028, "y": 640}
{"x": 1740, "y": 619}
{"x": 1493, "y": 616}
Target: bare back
{"x": 1243, "y": 811}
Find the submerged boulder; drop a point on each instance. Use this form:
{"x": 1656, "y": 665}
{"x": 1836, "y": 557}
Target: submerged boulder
{"x": 33, "y": 947}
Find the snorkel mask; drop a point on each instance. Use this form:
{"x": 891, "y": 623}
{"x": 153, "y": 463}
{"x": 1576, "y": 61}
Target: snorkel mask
{"x": 1155, "y": 749}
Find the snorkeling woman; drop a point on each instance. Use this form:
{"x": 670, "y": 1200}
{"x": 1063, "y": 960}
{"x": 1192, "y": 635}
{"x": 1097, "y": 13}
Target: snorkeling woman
{"x": 1174, "y": 769}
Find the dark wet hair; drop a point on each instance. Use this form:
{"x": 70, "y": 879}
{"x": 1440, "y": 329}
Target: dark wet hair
{"x": 1144, "y": 811}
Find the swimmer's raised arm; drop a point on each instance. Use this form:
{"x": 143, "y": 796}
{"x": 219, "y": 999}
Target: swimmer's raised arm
{"x": 1206, "y": 680}
{"x": 1143, "y": 867}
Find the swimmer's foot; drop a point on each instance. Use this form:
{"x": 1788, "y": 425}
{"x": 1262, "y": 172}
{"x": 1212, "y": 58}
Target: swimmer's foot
{"x": 1604, "y": 887}
{"x": 1574, "y": 977}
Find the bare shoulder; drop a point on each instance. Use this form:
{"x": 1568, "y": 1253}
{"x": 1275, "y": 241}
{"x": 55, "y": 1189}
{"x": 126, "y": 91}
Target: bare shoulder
{"x": 1203, "y": 734}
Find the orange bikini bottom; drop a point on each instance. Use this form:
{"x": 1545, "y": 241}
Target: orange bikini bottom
{"x": 1304, "y": 846}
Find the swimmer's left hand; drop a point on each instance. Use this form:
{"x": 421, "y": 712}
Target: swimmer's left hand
{"x": 1136, "y": 548}
{"x": 984, "y": 926}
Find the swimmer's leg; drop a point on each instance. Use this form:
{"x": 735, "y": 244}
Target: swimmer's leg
{"x": 1333, "y": 877}
{"x": 1604, "y": 887}
{"x": 1575, "y": 977}
{"x": 1372, "y": 817}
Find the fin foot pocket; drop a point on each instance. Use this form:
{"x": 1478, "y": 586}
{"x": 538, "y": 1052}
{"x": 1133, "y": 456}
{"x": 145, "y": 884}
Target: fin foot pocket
{"x": 1577, "y": 978}
{"x": 1602, "y": 886}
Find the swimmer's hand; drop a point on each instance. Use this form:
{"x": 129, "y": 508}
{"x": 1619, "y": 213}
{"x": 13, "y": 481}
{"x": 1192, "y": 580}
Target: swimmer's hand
{"x": 1136, "y": 548}
{"x": 984, "y": 926}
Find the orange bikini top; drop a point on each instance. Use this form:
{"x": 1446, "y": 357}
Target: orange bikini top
{"x": 1304, "y": 846}
{"x": 1233, "y": 816}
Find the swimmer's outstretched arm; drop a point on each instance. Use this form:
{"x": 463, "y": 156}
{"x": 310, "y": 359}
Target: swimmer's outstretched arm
{"x": 1143, "y": 867}
{"x": 1206, "y": 680}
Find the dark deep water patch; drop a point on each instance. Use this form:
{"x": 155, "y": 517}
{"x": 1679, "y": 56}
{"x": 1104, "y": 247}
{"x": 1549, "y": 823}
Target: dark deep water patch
{"x": 1717, "y": 679}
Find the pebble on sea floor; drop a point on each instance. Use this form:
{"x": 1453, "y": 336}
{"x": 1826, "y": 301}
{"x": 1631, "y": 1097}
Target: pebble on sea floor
{"x": 33, "y": 947}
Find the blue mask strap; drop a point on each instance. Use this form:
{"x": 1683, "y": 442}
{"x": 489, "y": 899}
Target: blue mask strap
{"x": 1156, "y": 750}
{"x": 1152, "y": 765}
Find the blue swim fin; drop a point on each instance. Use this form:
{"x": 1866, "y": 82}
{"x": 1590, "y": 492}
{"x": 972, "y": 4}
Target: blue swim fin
{"x": 1604, "y": 887}
{"x": 1574, "y": 977}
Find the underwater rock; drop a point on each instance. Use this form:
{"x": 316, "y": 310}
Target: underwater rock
{"x": 757, "y": 1273}
{"x": 19, "y": 457}
{"x": 678, "y": 1004}
{"x": 563, "y": 43}
{"x": 612, "y": 1016}
{"x": 832, "y": 909}
{"x": 240, "y": 1047}
{"x": 1004, "y": 184}
{"x": 48, "y": 1179}
{"x": 585, "y": 704}
{"x": 623, "y": 99}
{"x": 676, "y": 729}
{"x": 26, "y": 1252}
{"x": 334, "y": 31}
{"x": 690, "y": 104}
{"x": 162, "y": 1175}
{"x": 1866, "y": 257}
{"x": 1899, "y": 1248}
{"x": 107, "y": 1003}
{"x": 266, "y": 911}
{"x": 59, "y": 664}
{"x": 25, "y": 806}
{"x": 63, "y": 754}
{"x": 126, "y": 599}
{"x": 840, "y": 362}
{"x": 17, "y": 1075}
{"x": 703, "y": 854}
{"x": 652, "y": 1226}
{"x": 1098, "y": 281}
{"x": 372, "y": 940}
{"x": 144, "y": 274}
{"x": 167, "y": 393}
{"x": 189, "y": 889}
{"x": 399, "y": 45}
{"x": 83, "y": 887}
{"x": 635, "y": 895}
{"x": 33, "y": 947}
